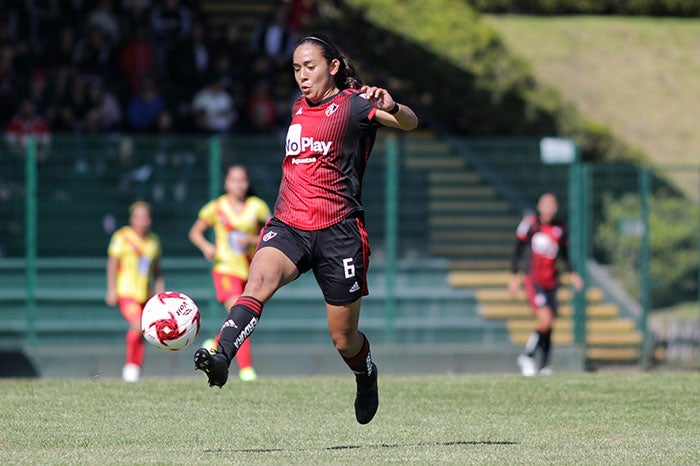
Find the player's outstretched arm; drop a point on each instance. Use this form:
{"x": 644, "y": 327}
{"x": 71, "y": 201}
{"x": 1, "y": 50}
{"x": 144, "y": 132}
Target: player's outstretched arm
{"x": 391, "y": 113}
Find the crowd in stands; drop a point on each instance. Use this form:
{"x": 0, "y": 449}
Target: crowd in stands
{"x": 100, "y": 66}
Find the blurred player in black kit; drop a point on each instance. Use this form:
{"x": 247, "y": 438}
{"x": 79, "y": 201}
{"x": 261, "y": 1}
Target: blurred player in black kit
{"x": 318, "y": 220}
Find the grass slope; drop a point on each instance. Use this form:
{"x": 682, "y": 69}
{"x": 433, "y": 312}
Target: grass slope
{"x": 483, "y": 419}
{"x": 637, "y": 75}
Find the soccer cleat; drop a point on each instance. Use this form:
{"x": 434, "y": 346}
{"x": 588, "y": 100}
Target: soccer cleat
{"x": 527, "y": 365}
{"x": 214, "y": 365}
{"x": 367, "y": 399}
{"x": 247, "y": 374}
{"x": 546, "y": 370}
{"x": 131, "y": 373}
{"x": 211, "y": 345}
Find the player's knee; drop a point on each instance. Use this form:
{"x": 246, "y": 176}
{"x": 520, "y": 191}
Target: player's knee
{"x": 261, "y": 284}
{"x": 346, "y": 342}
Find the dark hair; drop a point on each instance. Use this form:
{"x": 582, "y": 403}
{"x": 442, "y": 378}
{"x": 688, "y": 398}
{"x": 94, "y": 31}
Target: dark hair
{"x": 250, "y": 191}
{"x": 347, "y": 76}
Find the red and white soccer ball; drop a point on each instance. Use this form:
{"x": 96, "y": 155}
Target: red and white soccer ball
{"x": 170, "y": 321}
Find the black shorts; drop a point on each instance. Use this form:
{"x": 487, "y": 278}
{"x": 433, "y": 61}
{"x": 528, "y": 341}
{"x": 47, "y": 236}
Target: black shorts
{"x": 541, "y": 297}
{"x": 338, "y": 255}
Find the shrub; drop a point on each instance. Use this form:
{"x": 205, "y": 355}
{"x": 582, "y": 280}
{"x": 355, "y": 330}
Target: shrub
{"x": 673, "y": 238}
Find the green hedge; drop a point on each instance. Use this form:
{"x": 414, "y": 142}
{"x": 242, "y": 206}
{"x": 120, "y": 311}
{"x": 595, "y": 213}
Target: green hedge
{"x": 682, "y": 8}
{"x": 460, "y": 75}
{"x": 674, "y": 240}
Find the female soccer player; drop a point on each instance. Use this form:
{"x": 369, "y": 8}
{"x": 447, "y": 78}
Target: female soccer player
{"x": 236, "y": 218}
{"x": 547, "y": 239}
{"x": 133, "y": 266}
{"x": 318, "y": 221}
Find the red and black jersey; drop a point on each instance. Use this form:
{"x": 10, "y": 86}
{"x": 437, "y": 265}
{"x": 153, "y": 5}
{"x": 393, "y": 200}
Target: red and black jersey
{"x": 327, "y": 149}
{"x": 547, "y": 242}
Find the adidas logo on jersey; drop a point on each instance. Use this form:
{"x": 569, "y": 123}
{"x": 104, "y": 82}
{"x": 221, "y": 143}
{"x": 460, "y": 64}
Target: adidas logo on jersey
{"x": 355, "y": 287}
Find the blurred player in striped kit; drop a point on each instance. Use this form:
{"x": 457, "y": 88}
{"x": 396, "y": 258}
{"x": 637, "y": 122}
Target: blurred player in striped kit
{"x": 133, "y": 269}
{"x": 236, "y": 218}
{"x": 545, "y": 237}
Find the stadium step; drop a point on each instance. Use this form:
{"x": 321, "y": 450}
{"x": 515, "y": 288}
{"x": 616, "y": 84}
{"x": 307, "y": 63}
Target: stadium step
{"x": 610, "y": 338}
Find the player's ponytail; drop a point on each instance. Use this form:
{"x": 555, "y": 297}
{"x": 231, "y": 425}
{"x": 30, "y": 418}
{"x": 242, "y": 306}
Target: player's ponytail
{"x": 347, "y": 76}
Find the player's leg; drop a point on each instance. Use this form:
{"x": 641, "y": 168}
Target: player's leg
{"x": 526, "y": 359}
{"x": 545, "y": 322}
{"x": 244, "y": 357}
{"x": 342, "y": 258}
{"x": 354, "y": 348}
{"x": 228, "y": 289}
{"x": 544, "y": 333}
{"x": 270, "y": 270}
{"x": 131, "y": 310}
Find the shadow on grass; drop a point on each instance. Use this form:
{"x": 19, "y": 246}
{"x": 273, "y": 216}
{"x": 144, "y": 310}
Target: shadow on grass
{"x": 353, "y": 447}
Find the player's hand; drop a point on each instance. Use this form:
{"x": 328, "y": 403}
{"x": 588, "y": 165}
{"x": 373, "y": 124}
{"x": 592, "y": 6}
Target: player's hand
{"x": 576, "y": 281}
{"x": 111, "y": 298}
{"x": 209, "y": 251}
{"x": 514, "y": 286}
{"x": 378, "y": 97}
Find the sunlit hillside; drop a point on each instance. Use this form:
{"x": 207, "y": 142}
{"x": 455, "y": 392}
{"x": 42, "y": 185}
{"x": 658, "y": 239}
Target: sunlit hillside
{"x": 640, "y": 76}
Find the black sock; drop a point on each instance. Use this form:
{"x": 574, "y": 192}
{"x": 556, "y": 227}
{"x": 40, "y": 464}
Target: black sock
{"x": 361, "y": 363}
{"x": 545, "y": 345}
{"x": 240, "y": 323}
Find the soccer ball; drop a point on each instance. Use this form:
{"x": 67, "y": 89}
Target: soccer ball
{"x": 170, "y": 321}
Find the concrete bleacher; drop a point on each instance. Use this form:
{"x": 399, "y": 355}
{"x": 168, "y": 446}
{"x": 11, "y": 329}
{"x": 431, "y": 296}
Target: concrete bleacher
{"x": 76, "y": 332}
{"x": 611, "y": 337}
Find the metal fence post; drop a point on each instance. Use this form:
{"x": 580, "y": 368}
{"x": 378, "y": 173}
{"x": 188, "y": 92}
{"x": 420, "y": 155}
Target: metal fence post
{"x": 30, "y": 239}
{"x": 391, "y": 231}
{"x": 577, "y": 232}
{"x": 214, "y": 191}
{"x": 645, "y": 282}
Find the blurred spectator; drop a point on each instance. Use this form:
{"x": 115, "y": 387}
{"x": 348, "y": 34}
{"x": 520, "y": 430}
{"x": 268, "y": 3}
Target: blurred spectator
{"x": 27, "y": 123}
{"x": 94, "y": 55}
{"x": 138, "y": 58}
{"x": 135, "y": 14}
{"x": 302, "y": 14}
{"x": 40, "y": 94}
{"x": 73, "y": 107}
{"x": 274, "y": 38}
{"x": 104, "y": 113}
{"x": 188, "y": 62}
{"x": 214, "y": 108}
{"x": 171, "y": 23}
{"x": 72, "y": 13}
{"x": 145, "y": 107}
{"x": 261, "y": 109}
{"x": 235, "y": 46}
{"x": 102, "y": 17}
{"x": 10, "y": 81}
{"x": 173, "y": 164}
{"x": 60, "y": 50}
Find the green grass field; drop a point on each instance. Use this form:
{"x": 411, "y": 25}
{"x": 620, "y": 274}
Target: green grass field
{"x": 606, "y": 418}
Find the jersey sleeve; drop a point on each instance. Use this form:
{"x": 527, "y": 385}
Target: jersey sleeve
{"x": 208, "y": 212}
{"x": 362, "y": 112}
{"x": 116, "y": 245}
{"x": 525, "y": 228}
{"x": 262, "y": 211}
